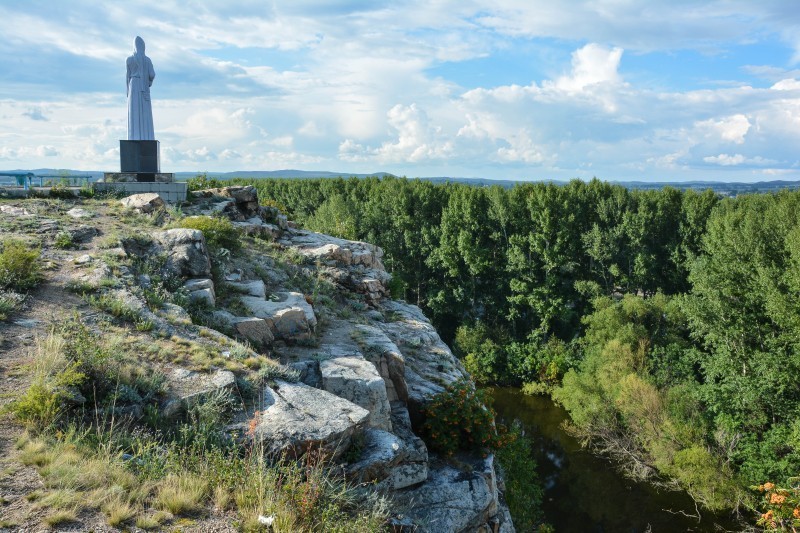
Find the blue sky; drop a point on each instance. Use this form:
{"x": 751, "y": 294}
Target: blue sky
{"x": 509, "y": 89}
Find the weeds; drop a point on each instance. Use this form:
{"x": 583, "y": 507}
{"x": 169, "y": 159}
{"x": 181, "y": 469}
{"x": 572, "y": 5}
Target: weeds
{"x": 19, "y": 265}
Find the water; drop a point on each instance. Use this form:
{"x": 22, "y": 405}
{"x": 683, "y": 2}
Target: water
{"x": 584, "y": 492}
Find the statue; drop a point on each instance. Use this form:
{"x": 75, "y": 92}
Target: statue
{"x": 139, "y": 79}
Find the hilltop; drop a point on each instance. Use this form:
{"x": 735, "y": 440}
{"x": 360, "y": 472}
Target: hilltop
{"x": 214, "y": 367}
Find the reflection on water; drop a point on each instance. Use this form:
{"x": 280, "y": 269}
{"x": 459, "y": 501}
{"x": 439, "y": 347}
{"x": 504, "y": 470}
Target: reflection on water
{"x": 584, "y": 492}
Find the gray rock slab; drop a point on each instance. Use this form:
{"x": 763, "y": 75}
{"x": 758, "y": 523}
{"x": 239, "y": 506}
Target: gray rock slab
{"x": 292, "y": 318}
{"x": 254, "y": 329}
{"x": 77, "y": 212}
{"x": 186, "y": 251}
{"x": 452, "y": 500}
{"x": 295, "y": 418}
{"x": 186, "y": 387}
{"x": 387, "y": 358}
{"x": 357, "y": 380}
{"x": 251, "y": 288}
{"x": 197, "y": 284}
{"x": 382, "y": 452}
{"x": 144, "y": 203}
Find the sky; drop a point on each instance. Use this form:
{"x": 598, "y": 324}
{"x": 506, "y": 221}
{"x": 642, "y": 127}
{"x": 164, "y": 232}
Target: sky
{"x": 509, "y": 89}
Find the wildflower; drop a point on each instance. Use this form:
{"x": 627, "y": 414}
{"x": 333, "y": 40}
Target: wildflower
{"x": 777, "y": 499}
{"x": 769, "y": 486}
{"x": 796, "y": 513}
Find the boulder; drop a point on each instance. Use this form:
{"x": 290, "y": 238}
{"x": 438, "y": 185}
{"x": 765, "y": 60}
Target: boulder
{"x": 251, "y": 288}
{"x": 144, "y": 203}
{"x": 186, "y": 251}
{"x": 14, "y": 211}
{"x": 243, "y": 204}
{"x": 254, "y": 329}
{"x": 198, "y": 284}
{"x": 452, "y": 499}
{"x": 77, "y": 212}
{"x": 381, "y": 453}
{"x": 355, "y": 379}
{"x": 386, "y": 356}
{"x": 296, "y": 418}
{"x": 291, "y": 317}
{"x": 204, "y": 296}
{"x": 186, "y": 387}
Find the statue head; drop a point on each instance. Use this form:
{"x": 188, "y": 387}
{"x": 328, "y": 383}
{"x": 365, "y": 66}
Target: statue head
{"x": 138, "y": 45}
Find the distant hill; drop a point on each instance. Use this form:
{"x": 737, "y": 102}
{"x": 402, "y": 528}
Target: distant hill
{"x": 724, "y": 188}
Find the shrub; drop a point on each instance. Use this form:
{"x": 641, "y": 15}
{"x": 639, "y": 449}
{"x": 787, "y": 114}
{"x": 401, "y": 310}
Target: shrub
{"x": 201, "y": 182}
{"x": 458, "y": 418}
{"x": 523, "y": 489}
{"x": 781, "y": 505}
{"x": 219, "y": 232}
{"x": 9, "y": 302}
{"x": 19, "y": 265}
{"x": 63, "y": 240}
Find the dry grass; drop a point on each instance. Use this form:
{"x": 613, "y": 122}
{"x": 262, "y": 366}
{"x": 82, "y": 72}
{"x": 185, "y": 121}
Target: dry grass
{"x": 60, "y": 517}
{"x": 181, "y": 494}
{"x": 118, "y": 510}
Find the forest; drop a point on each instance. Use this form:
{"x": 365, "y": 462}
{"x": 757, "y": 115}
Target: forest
{"x": 667, "y": 323}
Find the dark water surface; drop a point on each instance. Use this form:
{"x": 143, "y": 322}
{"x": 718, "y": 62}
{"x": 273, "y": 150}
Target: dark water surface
{"x": 584, "y": 492}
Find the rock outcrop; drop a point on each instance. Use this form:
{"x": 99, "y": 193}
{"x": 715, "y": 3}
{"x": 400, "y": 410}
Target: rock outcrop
{"x": 364, "y": 374}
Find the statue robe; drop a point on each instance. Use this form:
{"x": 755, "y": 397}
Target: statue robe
{"x": 139, "y": 79}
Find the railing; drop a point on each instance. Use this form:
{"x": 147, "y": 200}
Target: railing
{"x": 29, "y": 179}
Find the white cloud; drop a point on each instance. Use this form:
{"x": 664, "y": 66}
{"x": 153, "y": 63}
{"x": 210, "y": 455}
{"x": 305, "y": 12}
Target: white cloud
{"x": 731, "y": 129}
{"x": 591, "y": 65}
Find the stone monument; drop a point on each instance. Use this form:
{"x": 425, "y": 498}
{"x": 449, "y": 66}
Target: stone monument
{"x": 140, "y": 154}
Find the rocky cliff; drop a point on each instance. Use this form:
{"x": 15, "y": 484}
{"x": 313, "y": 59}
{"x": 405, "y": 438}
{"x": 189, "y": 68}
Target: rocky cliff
{"x": 354, "y": 369}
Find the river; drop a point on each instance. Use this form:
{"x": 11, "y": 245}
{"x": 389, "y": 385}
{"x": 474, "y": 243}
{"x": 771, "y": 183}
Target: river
{"x": 584, "y": 492}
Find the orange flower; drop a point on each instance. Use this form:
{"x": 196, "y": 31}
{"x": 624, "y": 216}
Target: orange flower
{"x": 768, "y": 515}
{"x": 796, "y": 513}
{"x": 777, "y": 499}
{"x": 769, "y": 486}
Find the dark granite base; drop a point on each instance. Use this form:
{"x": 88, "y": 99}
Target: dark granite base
{"x": 140, "y": 157}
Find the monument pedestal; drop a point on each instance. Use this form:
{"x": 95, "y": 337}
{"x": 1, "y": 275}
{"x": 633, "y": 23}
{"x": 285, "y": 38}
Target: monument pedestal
{"x": 141, "y": 158}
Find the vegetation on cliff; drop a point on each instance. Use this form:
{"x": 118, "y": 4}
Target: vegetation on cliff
{"x": 665, "y": 321}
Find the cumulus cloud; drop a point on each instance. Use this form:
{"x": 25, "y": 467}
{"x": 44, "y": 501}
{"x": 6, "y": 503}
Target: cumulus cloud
{"x": 261, "y": 85}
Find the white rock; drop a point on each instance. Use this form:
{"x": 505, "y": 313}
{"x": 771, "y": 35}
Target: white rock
{"x": 295, "y": 418}
{"x": 144, "y": 203}
{"x": 77, "y": 212}
{"x": 357, "y": 380}
{"x": 251, "y": 288}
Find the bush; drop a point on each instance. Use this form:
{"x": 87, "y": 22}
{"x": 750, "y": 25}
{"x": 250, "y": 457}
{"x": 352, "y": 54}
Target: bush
{"x": 201, "y": 182}
{"x": 219, "y": 232}
{"x": 523, "y": 489}
{"x": 458, "y": 418}
{"x": 10, "y": 301}
{"x": 19, "y": 265}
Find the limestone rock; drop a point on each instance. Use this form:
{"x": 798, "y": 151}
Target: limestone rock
{"x": 386, "y": 356}
{"x": 382, "y": 451}
{"x": 243, "y": 204}
{"x": 251, "y": 288}
{"x": 186, "y": 252}
{"x": 452, "y": 500}
{"x": 14, "y": 211}
{"x": 295, "y": 418}
{"x": 291, "y": 317}
{"x": 187, "y": 387}
{"x": 144, "y": 203}
{"x": 254, "y": 329}
{"x": 429, "y": 363}
{"x": 197, "y": 284}
{"x": 77, "y": 212}
{"x": 204, "y": 296}
{"x": 357, "y": 380}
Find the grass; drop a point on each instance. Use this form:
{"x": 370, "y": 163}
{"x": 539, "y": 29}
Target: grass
{"x": 19, "y": 265}
{"x": 10, "y": 302}
{"x": 181, "y": 494}
{"x": 60, "y": 517}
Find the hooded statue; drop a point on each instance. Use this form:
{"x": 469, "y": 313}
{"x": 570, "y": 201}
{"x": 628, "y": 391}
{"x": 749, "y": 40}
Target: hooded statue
{"x": 139, "y": 79}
